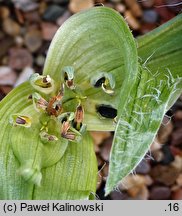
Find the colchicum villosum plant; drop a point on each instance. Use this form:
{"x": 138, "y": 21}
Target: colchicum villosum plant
{"x": 97, "y": 77}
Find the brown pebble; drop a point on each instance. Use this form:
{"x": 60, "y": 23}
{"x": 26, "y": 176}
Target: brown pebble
{"x": 48, "y": 30}
{"x": 33, "y": 40}
{"x": 120, "y": 8}
{"x": 32, "y": 17}
{"x": 99, "y": 136}
{"x": 165, "y": 130}
{"x": 19, "y": 58}
{"x": 178, "y": 119}
{"x": 6, "y": 43}
{"x": 63, "y": 18}
{"x": 166, "y": 175}
{"x": 147, "y": 4}
{"x": 160, "y": 193}
{"x": 177, "y": 195}
{"x": 179, "y": 180}
{"x": 11, "y": 27}
{"x": 106, "y": 148}
{"x": 7, "y": 76}
{"x": 4, "y": 12}
{"x": 143, "y": 167}
{"x": 131, "y": 20}
{"x": 176, "y": 138}
{"x": 147, "y": 27}
{"x": 76, "y": 6}
{"x": 117, "y": 195}
{"x": 6, "y": 89}
{"x": 136, "y": 10}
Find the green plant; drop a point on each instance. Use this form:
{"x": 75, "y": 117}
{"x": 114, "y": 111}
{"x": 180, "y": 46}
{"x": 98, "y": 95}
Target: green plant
{"x": 93, "y": 79}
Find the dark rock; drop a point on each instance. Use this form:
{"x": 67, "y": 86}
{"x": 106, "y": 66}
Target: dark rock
{"x": 52, "y": 13}
{"x": 143, "y": 167}
{"x": 33, "y": 40}
{"x": 166, "y": 175}
{"x": 117, "y": 195}
{"x": 150, "y": 16}
{"x": 106, "y": 148}
{"x": 19, "y": 58}
{"x": 167, "y": 155}
{"x": 176, "y": 138}
{"x": 160, "y": 193}
{"x": 48, "y": 30}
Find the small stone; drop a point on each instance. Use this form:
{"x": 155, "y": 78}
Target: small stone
{"x": 99, "y": 136}
{"x": 11, "y": 27}
{"x": 52, "y": 13}
{"x": 178, "y": 118}
{"x": 33, "y": 40}
{"x": 26, "y": 5}
{"x": 147, "y": 27}
{"x": 19, "y": 58}
{"x": 177, "y": 195}
{"x": 176, "y": 138}
{"x": 139, "y": 193}
{"x": 177, "y": 163}
{"x": 32, "y": 16}
{"x": 63, "y": 18}
{"x": 6, "y": 43}
{"x": 76, "y": 6}
{"x": 19, "y": 41}
{"x": 131, "y": 20}
{"x": 179, "y": 180}
{"x": 147, "y": 4}
{"x": 4, "y": 12}
{"x": 6, "y": 89}
{"x": 160, "y": 193}
{"x": 136, "y": 10}
{"x": 166, "y": 175}
{"x": 165, "y": 130}
{"x": 167, "y": 155}
{"x": 48, "y": 30}
{"x": 120, "y": 8}
{"x": 24, "y": 76}
{"x": 106, "y": 148}
{"x": 156, "y": 145}
{"x": 117, "y": 195}
{"x": 164, "y": 13}
{"x": 150, "y": 16}
{"x": 143, "y": 167}
{"x": 40, "y": 60}
{"x": 7, "y": 76}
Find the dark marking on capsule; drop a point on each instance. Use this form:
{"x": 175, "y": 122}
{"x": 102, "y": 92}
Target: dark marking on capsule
{"x": 99, "y": 82}
{"x": 20, "y": 120}
{"x": 106, "y": 111}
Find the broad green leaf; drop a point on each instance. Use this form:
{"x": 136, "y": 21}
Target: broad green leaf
{"x": 158, "y": 85}
{"x": 95, "y": 41}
